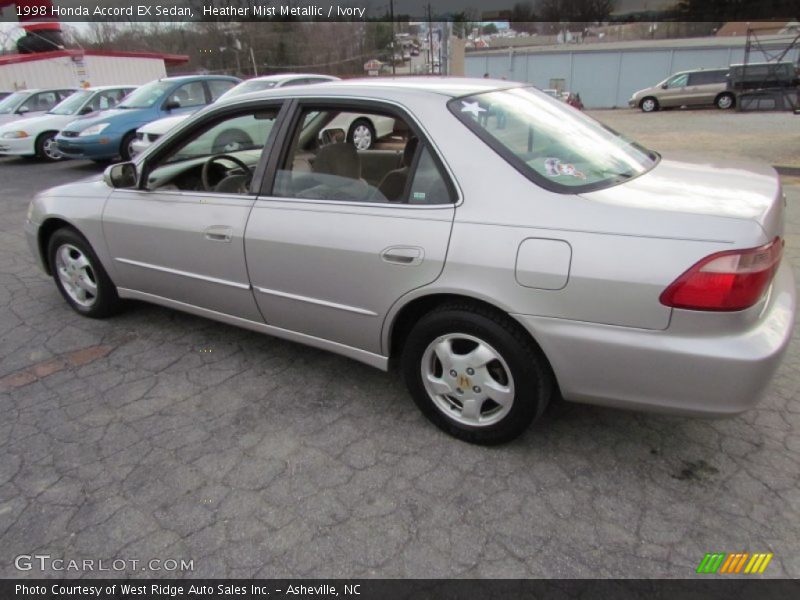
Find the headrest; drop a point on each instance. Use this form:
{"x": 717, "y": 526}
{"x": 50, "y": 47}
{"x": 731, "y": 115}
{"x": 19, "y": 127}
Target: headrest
{"x": 339, "y": 159}
{"x": 410, "y": 149}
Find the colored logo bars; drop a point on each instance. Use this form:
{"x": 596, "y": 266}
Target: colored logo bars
{"x": 734, "y": 564}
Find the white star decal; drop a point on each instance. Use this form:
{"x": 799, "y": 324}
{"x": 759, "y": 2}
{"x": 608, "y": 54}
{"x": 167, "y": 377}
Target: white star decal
{"x": 472, "y": 107}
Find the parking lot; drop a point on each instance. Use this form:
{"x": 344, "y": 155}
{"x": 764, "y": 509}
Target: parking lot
{"x": 159, "y": 435}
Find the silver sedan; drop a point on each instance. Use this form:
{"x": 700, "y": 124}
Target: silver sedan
{"x": 498, "y": 246}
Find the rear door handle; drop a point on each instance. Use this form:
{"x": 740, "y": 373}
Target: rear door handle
{"x": 219, "y": 233}
{"x": 403, "y": 255}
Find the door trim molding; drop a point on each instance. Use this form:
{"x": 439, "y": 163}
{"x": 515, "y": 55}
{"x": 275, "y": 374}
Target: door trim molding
{"x": 374, "y": 360}
{"x": 345, "y": 307}
{"x": 144, "y": 265}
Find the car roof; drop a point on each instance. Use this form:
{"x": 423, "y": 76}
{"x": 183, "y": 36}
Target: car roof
{"x": 178, "y": 78}
{"x": 370, "y": 87}
{"x": 99, "y": 88}
{"x": 285, "y": 76}
{"x": 48, "y": 89}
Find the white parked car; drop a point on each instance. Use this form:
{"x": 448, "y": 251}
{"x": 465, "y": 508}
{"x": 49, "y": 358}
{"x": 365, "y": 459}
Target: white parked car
{"x": 31, "y": 103}
{"x": 147, "y": 134}
{"x": 35, "y": 136}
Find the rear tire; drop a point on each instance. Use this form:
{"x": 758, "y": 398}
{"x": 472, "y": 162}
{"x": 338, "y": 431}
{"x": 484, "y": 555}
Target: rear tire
{"x": 649, "y": 104}
{"x": 80, "y": 276}
{"x": 476, "y": 374}
{"x": 46, "y": 148}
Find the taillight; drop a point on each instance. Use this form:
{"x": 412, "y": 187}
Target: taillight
{"x": 731, "y": 280}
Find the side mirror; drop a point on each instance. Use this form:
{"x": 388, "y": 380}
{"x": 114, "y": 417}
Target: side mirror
{"x": 664, "y": 86}
{"x": 172, "y": 105}
{"x": 22, "y": 110}
{"x": 333, "y": 136}
{"x": 122, "y": 175}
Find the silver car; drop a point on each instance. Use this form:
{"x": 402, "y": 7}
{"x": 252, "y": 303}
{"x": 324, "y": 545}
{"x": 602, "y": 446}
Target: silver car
{"x": 499, "y": 247}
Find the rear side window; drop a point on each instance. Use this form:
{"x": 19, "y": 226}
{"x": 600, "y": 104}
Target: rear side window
{"x": 706, "y": 77}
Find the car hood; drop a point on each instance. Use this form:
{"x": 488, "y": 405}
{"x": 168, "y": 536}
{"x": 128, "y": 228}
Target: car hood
{"x": 39, "y": 123}
{"x": 730, "y": 189}
{"x": 13, "y": 117}
{"x": 163, "y": 125}
{"x": 106, "y": 116}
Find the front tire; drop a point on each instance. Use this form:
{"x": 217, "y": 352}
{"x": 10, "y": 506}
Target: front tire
{"x": 725, "y": 101}
{"x": 79, "y": 275}
{"x": 475, "y": 374}
{"x": 649, "y": 104}
{"x": 361, "y": 134}
{"x": 46, "y": 147}
{"x": 125, "y": 149}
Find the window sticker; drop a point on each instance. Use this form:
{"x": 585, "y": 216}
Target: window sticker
{"x": 472, "y": 107}
{"x": 555, "y": 168}
{"x": 418, "y": 195}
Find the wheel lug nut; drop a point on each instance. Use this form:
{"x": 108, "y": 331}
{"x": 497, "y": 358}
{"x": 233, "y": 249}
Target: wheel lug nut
{"x": 470, "y": 371}
{"x": 453, "y": 373}
{"x": 476, "y": 389}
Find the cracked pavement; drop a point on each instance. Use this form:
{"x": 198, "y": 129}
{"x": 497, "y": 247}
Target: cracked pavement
{"x": 158, "y": 435}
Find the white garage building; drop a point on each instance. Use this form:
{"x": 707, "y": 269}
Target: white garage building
{"x": 83, "y": 68}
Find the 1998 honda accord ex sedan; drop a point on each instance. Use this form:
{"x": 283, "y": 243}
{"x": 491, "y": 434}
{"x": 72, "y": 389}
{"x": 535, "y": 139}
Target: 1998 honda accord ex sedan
{"x": 498, "y": 245}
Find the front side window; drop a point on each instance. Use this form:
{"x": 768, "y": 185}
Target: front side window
{"x": 147, "y": 95}
{"x": 40, "y": 102}
{"x": 557, "y": 147}
{"x": 678, "y": 81}
{"x": 218, "y": 87}
{"x": 358, "y": 155}
{"x": 189, "y": 95}
{"x": 72, "y": 104}
{"x": 217, "y": 157}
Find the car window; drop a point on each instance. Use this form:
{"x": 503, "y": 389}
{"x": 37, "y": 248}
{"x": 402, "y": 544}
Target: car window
{"x": 218, "y": 87}
{"x": 555, "y": 146}
{"x": 678, "y": 80}
{"x": 235, "y": 140}
{"x": 298, "y": 81}
{"x": 358, "y": 156}
{"x": 40, "y": 102}
{"x": 189, "y": 95}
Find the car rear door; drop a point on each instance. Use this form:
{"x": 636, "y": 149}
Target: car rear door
{"x": 328, "y": 264}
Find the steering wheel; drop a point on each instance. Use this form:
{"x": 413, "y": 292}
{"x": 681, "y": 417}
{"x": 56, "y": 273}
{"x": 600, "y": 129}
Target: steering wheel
{"x": 204, "y": 175}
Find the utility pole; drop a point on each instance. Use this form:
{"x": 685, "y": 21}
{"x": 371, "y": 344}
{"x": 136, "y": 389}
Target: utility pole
{"x": 391, "y": 16}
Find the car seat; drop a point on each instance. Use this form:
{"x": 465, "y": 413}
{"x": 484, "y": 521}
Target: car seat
{"x": 394, "y": 182}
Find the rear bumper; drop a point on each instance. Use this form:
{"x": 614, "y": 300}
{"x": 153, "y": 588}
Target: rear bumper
{"x": 17, "y": 147}
{"x": 679, "y": 370}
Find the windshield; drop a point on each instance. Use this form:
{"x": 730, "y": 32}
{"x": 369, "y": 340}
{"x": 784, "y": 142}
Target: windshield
{"x": 553, "y": 144}
{"x": 147, "y": 95}
{"x": 247, "y": 87}
{"x": 72, "y": 104}
{"x": 9, "y": 104}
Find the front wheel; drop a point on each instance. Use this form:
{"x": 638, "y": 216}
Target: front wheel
{"x": 649, "y": 105}
{"x": 725, "y": 101}
{"x": 126, "y": 150}
{"x": 79, "y": 275}
{"x": 475, "y": 374}
{"x": 46, "y": 147}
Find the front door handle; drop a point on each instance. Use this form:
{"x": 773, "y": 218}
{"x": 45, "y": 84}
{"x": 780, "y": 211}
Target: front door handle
{"x": 219, "y": 233}
{"x": 403, "y": 255}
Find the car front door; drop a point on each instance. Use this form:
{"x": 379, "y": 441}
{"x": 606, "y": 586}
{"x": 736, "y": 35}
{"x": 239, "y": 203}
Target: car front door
{"x": 329, "y": 253}
{"x": 179, "y": 235}
{"x": 675, "y": 93}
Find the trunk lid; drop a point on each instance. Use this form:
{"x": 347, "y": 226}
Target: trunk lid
{"x": 730, "y": 189}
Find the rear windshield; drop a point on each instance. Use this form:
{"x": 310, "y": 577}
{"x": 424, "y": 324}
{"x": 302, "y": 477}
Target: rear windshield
{"x": 553, "y": 144}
